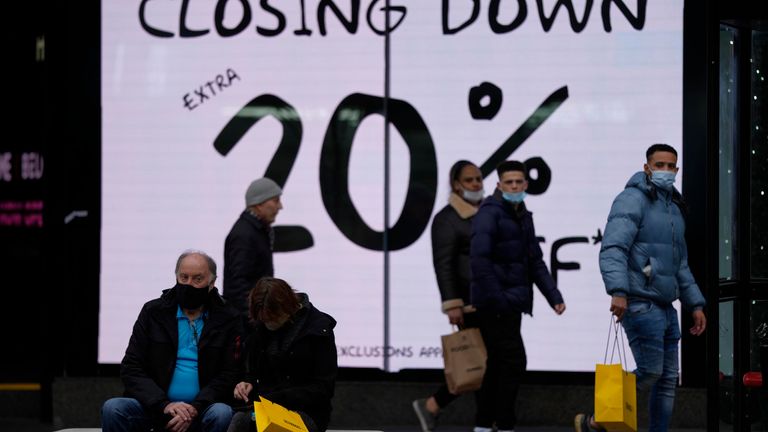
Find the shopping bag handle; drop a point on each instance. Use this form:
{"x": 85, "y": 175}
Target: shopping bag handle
{"x": 618, "y": 341}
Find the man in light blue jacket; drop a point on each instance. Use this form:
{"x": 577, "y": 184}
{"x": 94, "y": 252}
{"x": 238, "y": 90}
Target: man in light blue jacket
{"x": 644, "y": 263}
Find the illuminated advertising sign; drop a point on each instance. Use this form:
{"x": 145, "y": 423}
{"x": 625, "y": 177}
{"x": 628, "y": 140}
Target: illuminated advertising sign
{"x": 200, "y": 98}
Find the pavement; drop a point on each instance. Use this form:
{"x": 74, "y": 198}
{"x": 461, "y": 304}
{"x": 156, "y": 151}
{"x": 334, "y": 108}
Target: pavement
{"x": 32, "y": 425}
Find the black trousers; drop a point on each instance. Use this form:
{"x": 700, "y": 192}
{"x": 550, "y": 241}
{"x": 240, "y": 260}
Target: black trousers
{"x": 504, "y": 370}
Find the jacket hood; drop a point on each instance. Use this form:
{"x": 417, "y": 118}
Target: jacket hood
{"x": 313, "y": 320}
{"x": 318, "y": 320}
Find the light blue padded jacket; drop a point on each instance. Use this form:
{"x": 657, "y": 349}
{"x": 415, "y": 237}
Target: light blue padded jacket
{"x": 646, "y": 230}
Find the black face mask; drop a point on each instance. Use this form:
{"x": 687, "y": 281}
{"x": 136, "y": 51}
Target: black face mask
{"x": 190, "y": 297}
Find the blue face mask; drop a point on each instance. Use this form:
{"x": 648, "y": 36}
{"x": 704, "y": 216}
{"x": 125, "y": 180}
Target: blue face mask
{"x": 663, "y": 179}
{"x": 514, "y": 197}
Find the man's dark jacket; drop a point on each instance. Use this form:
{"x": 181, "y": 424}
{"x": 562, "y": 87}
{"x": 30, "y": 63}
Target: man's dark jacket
{"x": 247, "y": 258}
{"x": 150, "y": 358}
{"x": 296, "y": 365}
{"x": 506, "y": 259}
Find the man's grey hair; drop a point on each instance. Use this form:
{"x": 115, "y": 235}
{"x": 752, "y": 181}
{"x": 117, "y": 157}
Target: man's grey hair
{"x": 208, "y": 259}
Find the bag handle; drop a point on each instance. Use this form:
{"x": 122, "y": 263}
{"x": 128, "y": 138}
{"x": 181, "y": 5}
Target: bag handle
{"x": 458, "y": 327}
{"x": 618, "y": 340}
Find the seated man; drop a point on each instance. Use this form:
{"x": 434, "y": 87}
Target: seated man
{"x": 180, "y": 362}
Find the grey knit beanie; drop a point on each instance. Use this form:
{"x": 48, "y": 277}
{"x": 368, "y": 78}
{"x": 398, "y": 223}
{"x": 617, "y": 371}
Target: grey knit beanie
{"x": 261, "y": 190}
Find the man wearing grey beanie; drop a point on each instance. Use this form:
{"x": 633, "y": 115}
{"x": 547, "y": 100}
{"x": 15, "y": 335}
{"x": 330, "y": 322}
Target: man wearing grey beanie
{"x": 248, "y": 247}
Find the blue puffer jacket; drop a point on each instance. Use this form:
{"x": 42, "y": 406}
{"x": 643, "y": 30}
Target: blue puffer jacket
{"x": 646, "y": 228}
{"x": 506, "y": 259}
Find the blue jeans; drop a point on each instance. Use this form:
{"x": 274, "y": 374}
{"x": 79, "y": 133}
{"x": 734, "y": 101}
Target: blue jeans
{"x": 654, "y": 334}
{"x": 127, "y": 414}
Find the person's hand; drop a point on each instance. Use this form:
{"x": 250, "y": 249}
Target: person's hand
{"x": 242, "y": 390}
{"x": 699, "y": 323}
{"x": 177, "y": 424}
{"x": 618, "y": 306}
{"x": 181, "y": 409}
{"x": 560, "y": 308}
{"x": 456, "y": 316}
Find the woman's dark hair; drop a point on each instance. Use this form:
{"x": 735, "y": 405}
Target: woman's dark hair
{"x": 271, "y": 298}
{"x": 455, "y": 172}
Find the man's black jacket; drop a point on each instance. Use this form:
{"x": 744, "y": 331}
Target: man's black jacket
{"x": 150, "y": 358}
{"x": 506, "y": 259}
{"x": 247, "y": 258}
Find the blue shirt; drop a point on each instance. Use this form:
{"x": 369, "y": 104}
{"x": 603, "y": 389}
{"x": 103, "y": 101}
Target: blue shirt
{"x": 185, "y": 384}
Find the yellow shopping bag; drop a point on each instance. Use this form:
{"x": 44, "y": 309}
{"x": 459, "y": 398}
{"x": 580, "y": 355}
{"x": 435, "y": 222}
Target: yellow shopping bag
{"x": 615, "y": 392}
{"x": 271, "y": 417}
{"x": 615, "y": 398}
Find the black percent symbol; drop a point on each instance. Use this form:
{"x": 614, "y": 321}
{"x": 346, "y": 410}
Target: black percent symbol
{"x": 485, "y": 102}
{"x": 336, "y": 151}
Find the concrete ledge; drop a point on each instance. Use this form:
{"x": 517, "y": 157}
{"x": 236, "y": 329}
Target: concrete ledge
{"x": 99, "y": 430}
{"x": 387, "y": 404}
{"x": 377, "y": 405}
{"x": 80, "y": 430}
{"x": 20, "y": 403}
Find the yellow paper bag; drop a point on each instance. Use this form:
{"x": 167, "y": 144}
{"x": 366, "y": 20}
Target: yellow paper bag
{"x": 271, "y": 417}
{"x": 615, "y": 398}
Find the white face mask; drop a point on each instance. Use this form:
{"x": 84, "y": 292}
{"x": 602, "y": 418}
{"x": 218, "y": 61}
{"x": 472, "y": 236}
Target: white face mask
{"x": 473, "y": 196}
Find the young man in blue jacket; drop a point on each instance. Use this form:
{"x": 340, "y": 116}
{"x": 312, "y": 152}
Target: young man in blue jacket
{"x": 644, "y": 263}
{"x": 506, "y": 261}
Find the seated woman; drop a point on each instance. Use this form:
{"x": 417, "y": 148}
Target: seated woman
{"x": 290, "y": 356}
